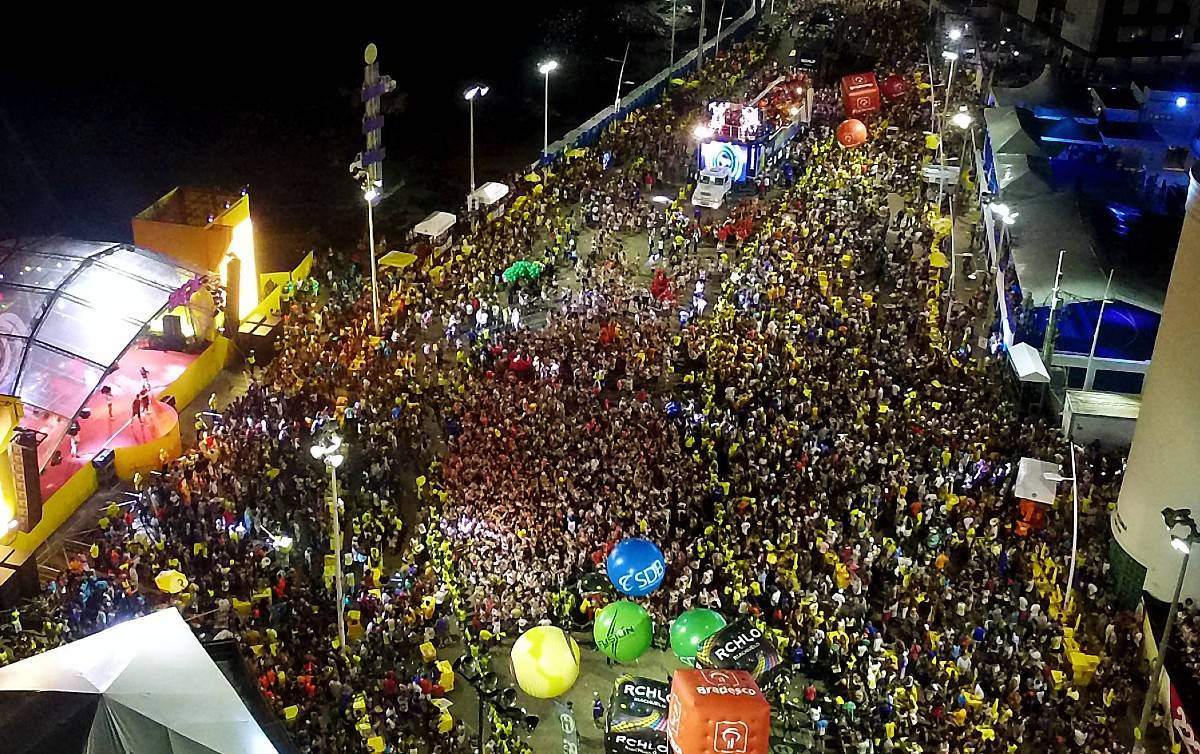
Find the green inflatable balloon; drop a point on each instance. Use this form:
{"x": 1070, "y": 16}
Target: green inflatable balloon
{"x": 623, "y": 631}
{"x": 691, "y": 629}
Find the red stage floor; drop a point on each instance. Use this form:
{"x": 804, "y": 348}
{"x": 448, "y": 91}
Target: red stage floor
{"x": 122, "y": 429}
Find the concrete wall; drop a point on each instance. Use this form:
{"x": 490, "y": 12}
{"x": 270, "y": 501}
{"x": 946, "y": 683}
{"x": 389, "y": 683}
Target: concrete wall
{"x": 1164, "y": 463}
{"x": 1084, "y": 29}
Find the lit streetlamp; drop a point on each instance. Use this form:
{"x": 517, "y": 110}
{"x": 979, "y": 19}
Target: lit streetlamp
{"x": 546, "y": 68}
{"x": 479, "y": 90}
{"x": 329, "y": 453}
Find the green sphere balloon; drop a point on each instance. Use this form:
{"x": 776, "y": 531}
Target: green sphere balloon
{"x": 690, "y": 630}
{"x": 623, "y": 631}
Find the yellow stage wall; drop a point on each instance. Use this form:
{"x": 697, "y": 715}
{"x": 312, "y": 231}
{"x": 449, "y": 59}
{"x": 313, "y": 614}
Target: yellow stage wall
{"x": 199, "y": 374}
{"x": 147, "y": 456}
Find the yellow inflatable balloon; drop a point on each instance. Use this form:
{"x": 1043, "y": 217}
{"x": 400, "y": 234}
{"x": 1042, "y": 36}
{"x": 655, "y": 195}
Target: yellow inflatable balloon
{"x": 545, "y": 662}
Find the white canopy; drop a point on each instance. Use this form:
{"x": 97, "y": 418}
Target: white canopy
{"x": 145, "y": 686}
{"x": 1027, "y": 363}
{"x": 489, "y": 193}
{"x": 435, "y": 224}
{"x": 1032, "y": 483}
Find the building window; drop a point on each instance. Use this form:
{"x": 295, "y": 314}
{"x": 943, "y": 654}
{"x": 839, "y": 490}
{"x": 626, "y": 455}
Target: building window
{"x": 1131, "y": 7}
{"x": 1179, "y": 32}
{"x": 1165, "y": 7}
{"x": 1129, "y": 34}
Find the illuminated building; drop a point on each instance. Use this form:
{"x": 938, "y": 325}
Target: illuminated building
{"x": 204, "y": 229}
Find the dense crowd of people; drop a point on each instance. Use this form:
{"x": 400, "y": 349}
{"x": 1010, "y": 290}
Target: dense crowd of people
{"x": 792, "y": 418}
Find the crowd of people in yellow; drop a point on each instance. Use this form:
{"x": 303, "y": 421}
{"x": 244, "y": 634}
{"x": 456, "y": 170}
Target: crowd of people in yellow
{"x": 817, "y": 451}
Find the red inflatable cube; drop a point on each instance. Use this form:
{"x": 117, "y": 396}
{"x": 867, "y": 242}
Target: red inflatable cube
{"x": 860, "y": 94}
{"x": 717, "y": 712}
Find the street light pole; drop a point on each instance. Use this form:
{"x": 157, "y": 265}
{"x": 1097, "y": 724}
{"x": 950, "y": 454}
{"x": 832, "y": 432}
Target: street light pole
{"x": 1048, "y": 341}
{"x": 621, "y": 80}
{"x": 700, "y": 44}
{"x": 337, "y": 551}
{"x": 720, "y": 20}
{"x": 329, "y": 454}
{"x": 1139, "y": 746}
{"x": 950, "y": 286}
{"x": 1088, "y": 376}
{"x": 545, "y": 68}
{"x": 471, "y": 117}
{"x": 479, "y": 90}
{"x": 672, "y": 65}
{"x": 370, "y": 196}
{"x": 1074, "y": 532}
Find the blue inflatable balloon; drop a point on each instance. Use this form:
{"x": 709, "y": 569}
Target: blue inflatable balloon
{"x": 636, "y": 567}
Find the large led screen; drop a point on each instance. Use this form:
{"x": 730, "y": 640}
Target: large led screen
{"x": 722, "y": 154}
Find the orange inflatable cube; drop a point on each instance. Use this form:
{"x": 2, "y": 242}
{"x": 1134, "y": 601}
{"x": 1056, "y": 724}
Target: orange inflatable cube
{"x": 717, "y": 712}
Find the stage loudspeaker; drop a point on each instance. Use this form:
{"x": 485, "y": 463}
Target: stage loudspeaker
{"x": 173, "y": 332}
{"x": 233, "y": 274}
{"x": 18, "y": 579}
{"x": 106, "y": 468}
{"x": 27, "y": 479}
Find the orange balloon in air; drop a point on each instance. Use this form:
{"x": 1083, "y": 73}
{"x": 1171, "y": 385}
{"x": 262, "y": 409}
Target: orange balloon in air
{"x": 851, "y": 133}
{"x": 717, "y": 712}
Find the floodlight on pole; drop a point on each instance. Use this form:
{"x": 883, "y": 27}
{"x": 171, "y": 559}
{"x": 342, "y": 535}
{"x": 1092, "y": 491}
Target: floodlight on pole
{"x": 333, "y": 459}
{"x": 545, "y": 68}
{"x": 962, "y": 120}
{"x": 955, "y": 34}
{"x": 477, "y": 91}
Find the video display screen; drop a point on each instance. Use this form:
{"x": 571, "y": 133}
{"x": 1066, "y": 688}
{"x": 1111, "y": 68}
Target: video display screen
{"x": 723, "y": 154}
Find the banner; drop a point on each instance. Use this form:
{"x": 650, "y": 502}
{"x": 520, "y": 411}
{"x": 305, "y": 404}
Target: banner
{"x": 570, "y": 734}
{"x": 637, "y": 717}
{"x": 1183, "y": 730}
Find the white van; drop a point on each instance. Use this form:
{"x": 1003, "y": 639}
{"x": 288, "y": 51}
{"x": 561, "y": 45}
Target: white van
{"x": 712, "y": 187}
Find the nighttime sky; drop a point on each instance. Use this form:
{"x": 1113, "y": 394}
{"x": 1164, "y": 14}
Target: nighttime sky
{"x": 118, "y": 117}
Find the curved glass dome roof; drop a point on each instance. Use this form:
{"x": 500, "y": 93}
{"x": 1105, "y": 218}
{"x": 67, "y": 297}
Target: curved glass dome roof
{"x": 69, "y": 309}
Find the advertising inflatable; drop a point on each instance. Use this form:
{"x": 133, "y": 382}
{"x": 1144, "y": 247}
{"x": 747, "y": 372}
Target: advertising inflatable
{"x": 860, "y": 94}
{"x": 852, "y": 133}
{"x": 637, "y": 717}
{"x": 717, "y": 712}
{"x": 690, "y": 629}
{"x": 739, "y": 646}
{"x": 623, "y": 631}
{"x": 545, "y": 662}
{"x": 636, "y": 567}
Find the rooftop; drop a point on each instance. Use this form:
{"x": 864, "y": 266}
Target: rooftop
{"x": 1117, "y": 98}
{"x": 189, "y": 205}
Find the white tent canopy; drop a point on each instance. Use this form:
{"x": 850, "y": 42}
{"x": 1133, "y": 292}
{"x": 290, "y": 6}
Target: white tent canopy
{"x": 1027, "y": 363}
{"x": 145, "y": 686}
{"x": 488, "y": 194}
{"x": 435, "y": 224}
{"x": 1032, "y": 483}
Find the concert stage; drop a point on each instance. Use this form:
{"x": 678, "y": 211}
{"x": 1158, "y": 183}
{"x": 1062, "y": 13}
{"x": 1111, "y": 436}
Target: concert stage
{"x": 157, "y": 428}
